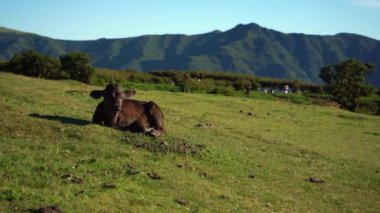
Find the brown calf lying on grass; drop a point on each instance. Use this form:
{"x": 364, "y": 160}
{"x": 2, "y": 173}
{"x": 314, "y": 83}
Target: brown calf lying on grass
{"x": 117, "y": 111}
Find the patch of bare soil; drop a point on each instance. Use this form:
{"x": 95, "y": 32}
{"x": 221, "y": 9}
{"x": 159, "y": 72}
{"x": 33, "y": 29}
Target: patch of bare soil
{"x": 315, "y": 180}
{"x": 47, "y": 209}
{"x": 203, "y": 125}
{"x": 131, "y": 169}
{"x": 72, "y": 178}
{"x": 166, "y": 145}
{"x": 154, "y": 176}
{"x": 252, "y": 175}
{"x": 108, "y": 186}
{"x": 181, "y": 201}
{"x": 324, "y": 102}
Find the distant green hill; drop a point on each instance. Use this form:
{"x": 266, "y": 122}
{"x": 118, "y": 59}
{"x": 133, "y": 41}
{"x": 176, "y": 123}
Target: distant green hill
{"x": 245, "y": 48}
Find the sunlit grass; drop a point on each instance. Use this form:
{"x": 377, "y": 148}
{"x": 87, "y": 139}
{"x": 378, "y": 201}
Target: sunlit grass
{"x": 46, "y": 140}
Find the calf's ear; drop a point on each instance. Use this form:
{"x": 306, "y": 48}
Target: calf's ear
{"x": 129, "y": 93}
{"x": 96, "y": 94}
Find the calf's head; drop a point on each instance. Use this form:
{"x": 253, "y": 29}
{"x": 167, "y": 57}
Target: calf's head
{"x": 113, "y": 96}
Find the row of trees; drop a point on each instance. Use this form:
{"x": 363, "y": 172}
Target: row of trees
{"x": 346, "y": 80}
{"x": 73, "y": 65}
{"x": 244, "y": 82}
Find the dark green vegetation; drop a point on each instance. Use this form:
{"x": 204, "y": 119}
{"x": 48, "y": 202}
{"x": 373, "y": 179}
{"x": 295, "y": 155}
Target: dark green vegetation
{"x": 348, "y": 82}
{"x": 220, "y": 154}
{"x": 238, "y": 85}
{"x": 77, "y": 65}
{"x": 245, "y": 48}
{"x": 74, "y": 65}
{"x": 198, "y": 82}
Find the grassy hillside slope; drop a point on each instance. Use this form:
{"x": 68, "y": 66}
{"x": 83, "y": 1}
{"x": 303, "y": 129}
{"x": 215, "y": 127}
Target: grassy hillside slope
{"x": 50, "y": 154}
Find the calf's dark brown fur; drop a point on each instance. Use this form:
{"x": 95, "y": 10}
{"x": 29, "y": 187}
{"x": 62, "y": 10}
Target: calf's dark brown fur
{"x": 118, "y": 111}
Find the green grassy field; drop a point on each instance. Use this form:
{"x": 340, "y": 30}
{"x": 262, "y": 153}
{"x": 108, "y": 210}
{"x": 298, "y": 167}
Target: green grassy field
{"x": 214, "y": 158}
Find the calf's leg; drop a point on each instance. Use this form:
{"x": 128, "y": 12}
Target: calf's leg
{"x": 99, "y": 114}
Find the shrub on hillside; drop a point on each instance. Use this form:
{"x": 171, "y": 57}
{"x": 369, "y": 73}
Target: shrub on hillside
{"x": 32, "y": 63}
{"x": 77, "y": 66}
{"x": 2, "y": 65}
{"x": 369, "y": 106}
{"x": 96, "y": 80}
{"x": 227, "y": 91}
{"x": 348, "y": 81}
{"x": 108, "y": 76}
{"x": 200, "y": 85}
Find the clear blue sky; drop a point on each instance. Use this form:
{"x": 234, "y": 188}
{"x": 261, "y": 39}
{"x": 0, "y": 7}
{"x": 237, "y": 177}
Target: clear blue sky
{"x": 93, "y": 19}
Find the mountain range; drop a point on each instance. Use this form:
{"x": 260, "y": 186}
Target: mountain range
{"x": 246, "y": 48}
